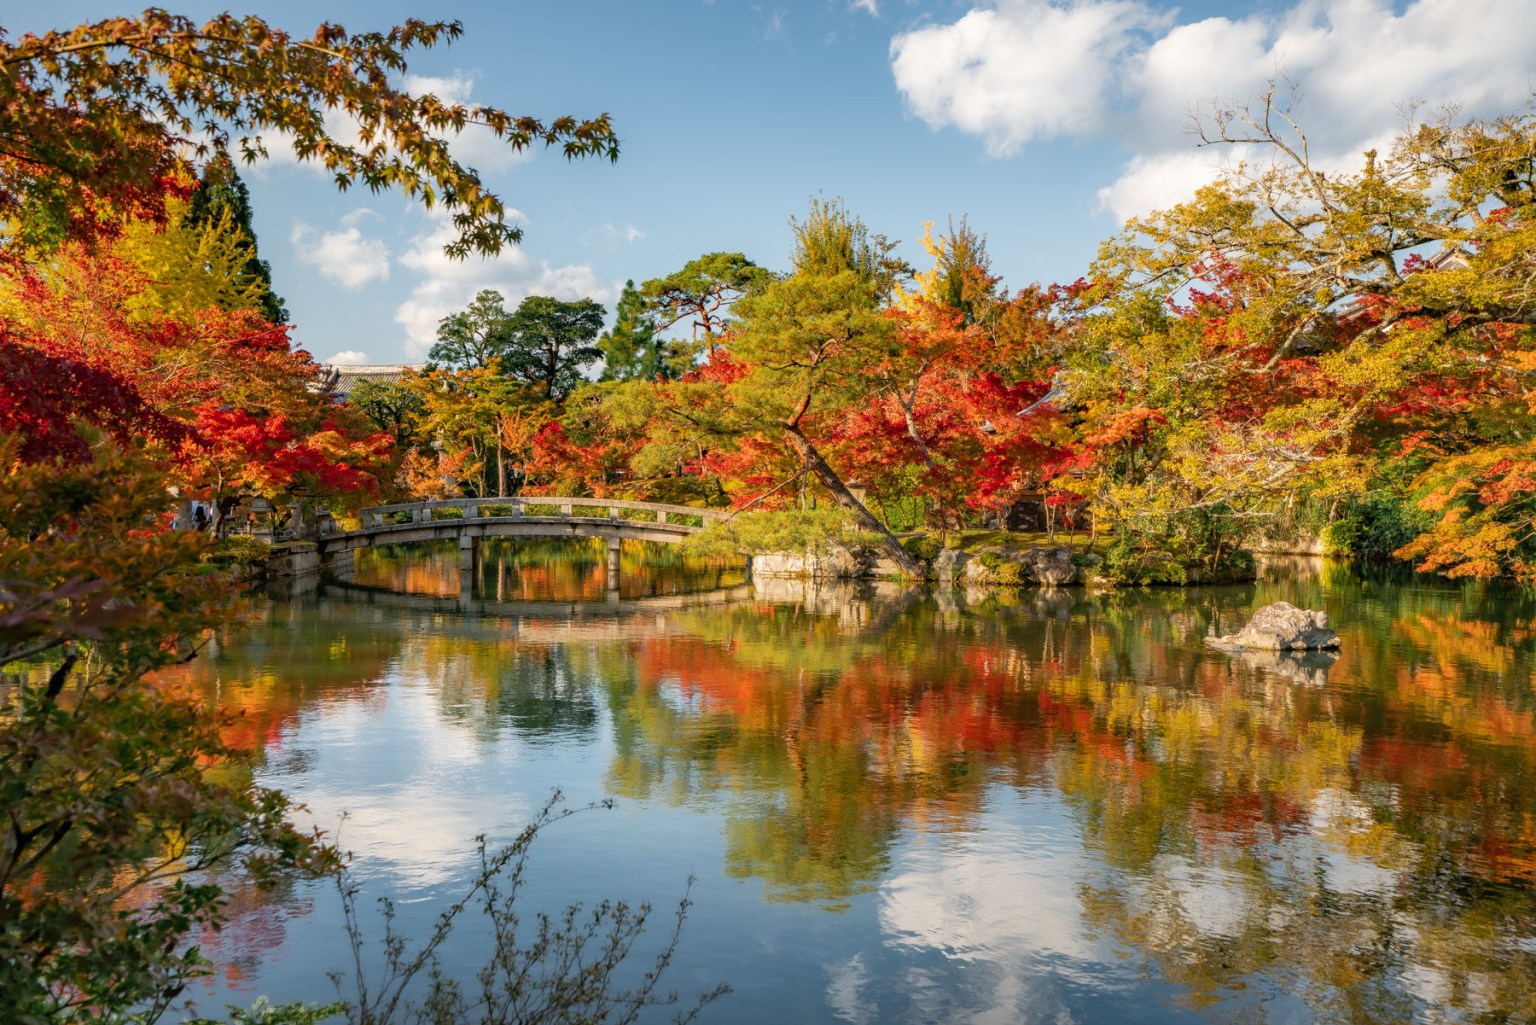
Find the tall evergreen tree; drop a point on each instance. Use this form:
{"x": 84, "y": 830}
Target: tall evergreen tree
{"x": 634, "y": 350}
{"x": 220, "y": 189}
{"x": 702, "y": 294}
{"x": 476, "y": 335}
{"x": 551, "y": 341}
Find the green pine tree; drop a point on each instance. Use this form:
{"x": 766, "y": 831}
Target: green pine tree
{"x": 633, "y": 350}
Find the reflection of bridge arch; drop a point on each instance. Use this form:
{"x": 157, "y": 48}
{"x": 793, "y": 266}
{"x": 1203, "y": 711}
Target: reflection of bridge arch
{"x": 470, "y": 520}
{"x": 560, "y": 616}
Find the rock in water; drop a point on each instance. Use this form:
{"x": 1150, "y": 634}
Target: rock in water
{"x": 1280, "y": 627}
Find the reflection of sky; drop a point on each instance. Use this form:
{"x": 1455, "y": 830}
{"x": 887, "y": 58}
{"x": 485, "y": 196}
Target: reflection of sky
{"x": 412, "y": 803}
{"x": 985, "y": 926}
{"x": 403, "y": 782}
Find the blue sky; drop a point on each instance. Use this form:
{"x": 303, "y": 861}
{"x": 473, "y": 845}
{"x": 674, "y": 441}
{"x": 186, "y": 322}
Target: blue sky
{"x": 1043, "y": 122}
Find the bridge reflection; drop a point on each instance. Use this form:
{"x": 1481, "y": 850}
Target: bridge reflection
{"x": 612, "y": 606}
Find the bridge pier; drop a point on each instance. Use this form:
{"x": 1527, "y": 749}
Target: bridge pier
{"x": 340, "y": 564}
{"x": 613, "y": 564}
{"x": 469, "y": 566}
{"x": 469, "y": 553}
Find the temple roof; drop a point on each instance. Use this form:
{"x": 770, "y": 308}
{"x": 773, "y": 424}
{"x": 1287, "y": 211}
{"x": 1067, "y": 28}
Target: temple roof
{"x": 338, "y": 379}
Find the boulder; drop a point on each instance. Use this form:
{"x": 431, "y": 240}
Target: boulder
{"x": 1049, "y": 566}
{"x": 835, "y": 563}
{"x": 949, "y": 564}
{"x": 1280, "y": 627}
{"x": 1011, "y": 566}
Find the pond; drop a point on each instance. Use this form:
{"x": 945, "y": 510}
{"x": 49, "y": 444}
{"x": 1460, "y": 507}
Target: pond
{"x": 915, "y": 806}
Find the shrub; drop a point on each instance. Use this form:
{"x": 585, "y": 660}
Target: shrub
{"x": 240, "y": 552}
{"x": 541, "y": 968}
{"x": 1201, "y": 546}
{"x": 922, "y": 546}
{"x": 817, "y": 531}
{"x": 104, "y": 773}
{"x": 1005, "y": 569}
{"x": 1374, "y": 527}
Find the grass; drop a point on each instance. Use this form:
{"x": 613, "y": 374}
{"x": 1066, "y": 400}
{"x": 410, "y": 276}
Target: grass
{"x": 971, "y": 540}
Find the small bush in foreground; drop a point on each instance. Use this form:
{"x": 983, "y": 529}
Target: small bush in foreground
{"x": 550, "y": 970}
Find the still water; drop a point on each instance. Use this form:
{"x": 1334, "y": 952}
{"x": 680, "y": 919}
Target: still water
{"x": 908, "y": 806}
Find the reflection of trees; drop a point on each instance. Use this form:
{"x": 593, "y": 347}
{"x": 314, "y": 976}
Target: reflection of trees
{"x": 282, "y": 657}
{"x": 1255, "y": 831}
{"x": 537, "y": 690}
{"x": 427, "y": 567}
{"x": 821, "y": 736}
{"x": 1365, "y": 845}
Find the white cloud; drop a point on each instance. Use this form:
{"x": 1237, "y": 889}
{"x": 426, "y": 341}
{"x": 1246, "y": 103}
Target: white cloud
{"x": 402, "y": 815}
{"x": 773, "y": 21}
{"x": 1156, "y": 181}
{"x": 338, "y": 125}
{"x": 1022, "y": 70}
{"x": 348, "y": 358}
{"x": 454, "y": 88}
{"x": 346, "y": 256}
{"x": 867, "y": 6}
{"x": 999, "y": 905}
{"x": 610, "y": 236}
{"x": 446, "y": 286}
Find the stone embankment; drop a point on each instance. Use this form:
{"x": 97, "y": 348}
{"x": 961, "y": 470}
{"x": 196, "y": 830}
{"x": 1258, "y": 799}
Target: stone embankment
{"x": 992, "y": 565}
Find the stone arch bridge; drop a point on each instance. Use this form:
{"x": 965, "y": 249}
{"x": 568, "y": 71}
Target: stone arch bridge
{"x": 470, "y": 520}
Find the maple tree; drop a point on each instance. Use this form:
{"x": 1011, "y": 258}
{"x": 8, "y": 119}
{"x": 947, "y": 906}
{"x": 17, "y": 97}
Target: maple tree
{"x": 478, "y": 421}
{"x": 968, "y": 364}
{"x": 90, "y": 115}
{"x": 112, "y": 802}
{"x": 1295, "y": 332}
{"x": 202, "y": 378}
{"x": 138, "y": 351}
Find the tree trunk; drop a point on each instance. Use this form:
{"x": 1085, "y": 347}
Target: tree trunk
{"x": 907, "y": 402}
{"x": 909, "y": 564}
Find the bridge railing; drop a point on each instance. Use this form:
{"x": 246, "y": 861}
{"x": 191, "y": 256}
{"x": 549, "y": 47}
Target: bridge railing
{"x": 530, "y": 507}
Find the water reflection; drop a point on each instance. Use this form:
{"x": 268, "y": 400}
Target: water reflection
{"x": 535, "y": 570}
{"x": 999, "y": 796}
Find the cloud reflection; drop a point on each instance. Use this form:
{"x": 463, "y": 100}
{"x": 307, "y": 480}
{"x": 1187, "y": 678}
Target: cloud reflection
{"x": 408, "y": 811}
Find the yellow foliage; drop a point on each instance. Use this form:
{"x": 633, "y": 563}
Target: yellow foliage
{"x": 188, "y": 268}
